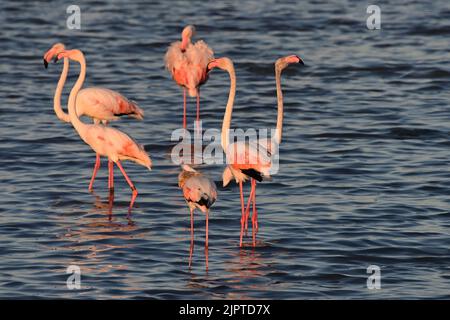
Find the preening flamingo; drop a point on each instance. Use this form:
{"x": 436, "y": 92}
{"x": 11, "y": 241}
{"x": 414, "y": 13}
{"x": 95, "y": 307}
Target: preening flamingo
{"x": 187, "y": 62}
{"x": 101, "y": 104}
{"x": 200, "y": 192}
{"x": 105, "y": 141}
{"x": 249, "y": 160}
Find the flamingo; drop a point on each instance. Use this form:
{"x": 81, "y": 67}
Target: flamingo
{"x": 187, "y": 62}
{"x": 105, "y": 141}
{"x": 200, "y": 192}
{"x": 101, "y": 104}
{"x": 249, "y": 160}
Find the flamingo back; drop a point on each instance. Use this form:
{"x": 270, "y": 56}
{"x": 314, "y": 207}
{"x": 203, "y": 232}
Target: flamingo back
{"x": 188, "y": 67}
{"x": 106, "y": 104}
{"x": 245, "y": 155}
{"x": 198, "y": 190}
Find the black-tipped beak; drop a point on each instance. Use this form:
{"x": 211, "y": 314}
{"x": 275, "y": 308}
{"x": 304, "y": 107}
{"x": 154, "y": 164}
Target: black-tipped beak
{"x": 300, "y": 61}
{"x": 45, "y": 64}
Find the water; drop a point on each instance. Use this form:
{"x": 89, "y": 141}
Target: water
{"x": 364, "y": 175}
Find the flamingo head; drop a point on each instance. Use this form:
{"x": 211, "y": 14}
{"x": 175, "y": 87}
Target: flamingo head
{"x": 221, "y": 63}
{"x": 188, "y": 32}
{"x": 283, "y": 62}
{"x": 75, "y": 55}
{"x": 186, "y": 35}
{"x": 52, "y": 53}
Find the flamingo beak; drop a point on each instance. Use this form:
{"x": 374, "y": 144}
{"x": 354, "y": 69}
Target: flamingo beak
{"x": 48, "y": 57}
{"x": 300, "y": 60}
{"x": 58, "y": 56}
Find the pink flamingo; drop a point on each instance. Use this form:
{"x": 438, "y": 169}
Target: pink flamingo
{"x": 105, "y": 141}
{"x": 246, "y": 159}
{"x": 200, "y": 193}
{"x": 102, "y": 105}
{"x": 187, "y": 63}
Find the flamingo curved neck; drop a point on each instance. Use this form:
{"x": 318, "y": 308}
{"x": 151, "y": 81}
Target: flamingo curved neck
{"x": 280, "y": 105}
{"x": 57, "y": 98}
{"x": 185, "y": 42}
{"x": 229, "y": 109}
{"x": 76, "y": 122}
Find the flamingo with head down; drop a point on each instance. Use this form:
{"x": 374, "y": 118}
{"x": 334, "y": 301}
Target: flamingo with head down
{"x": 100, "y": 104}
{"x": 249, "y": 160}
{"x": 187, "y": 62}
{"x": 105, "y": 141}
{"x": 200, "y": 192}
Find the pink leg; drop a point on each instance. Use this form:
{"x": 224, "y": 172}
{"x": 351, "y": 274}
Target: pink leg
{"x": 255, "y": 212}
{"x": 133, "y": 188}
{"x": 198, "y": 104}
{"x": 206, "y": 258}
{"x": 191, "y": 249}
{"x": 184, "y": 108}
{"x": 207, "y": 218}
{"x": 250, "y": 199}
{"x": 242, "y": 213}
{"x": 111, "y": 177}
{"x": 110, "y": 205}
{"x": 94, "y": 173}
{"x": 198, "y": 112}
{"x": 206, "y": 241}
{"x": 255, "y": 215}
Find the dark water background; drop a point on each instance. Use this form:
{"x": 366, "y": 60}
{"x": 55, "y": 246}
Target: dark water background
{"x": 364, "y": 175}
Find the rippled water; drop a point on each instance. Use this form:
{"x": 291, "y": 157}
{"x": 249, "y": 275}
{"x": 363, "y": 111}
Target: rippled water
{"x": 364, "y": 175}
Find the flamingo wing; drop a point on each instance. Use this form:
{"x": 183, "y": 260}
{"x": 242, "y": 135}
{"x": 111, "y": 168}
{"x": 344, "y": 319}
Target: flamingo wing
{"x": 250, "y": 158}
{"x": 174, "y": 56}
{"x": 200, "y": 191}
{"x": 116, "y": 145}
{"x": 199, "y": 55}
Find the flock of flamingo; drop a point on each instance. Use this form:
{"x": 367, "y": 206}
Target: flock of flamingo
{"x": 190, "y": 65}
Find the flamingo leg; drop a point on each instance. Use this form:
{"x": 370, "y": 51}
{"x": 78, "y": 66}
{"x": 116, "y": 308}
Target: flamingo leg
{"x": 255, "y": 215}
{"x": 133, "y": 188}
{"x": 206, "y": 236}
{"x": 198, "y": 105}
{"x": 111, "y": 177}
{"x": 191, "y": 249}
{"x": 255, "y": 211}
{"x": 184, "y": 108}
{"x": 199, "y": 131}
{"x": 110, "y": 205}
{"x": 242, "y": 213}
{"x": 94, "y": 173}
{"x": 250, "y": 199}
{"x": 206, "y": 258}
{"x": 206, "y": 241}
